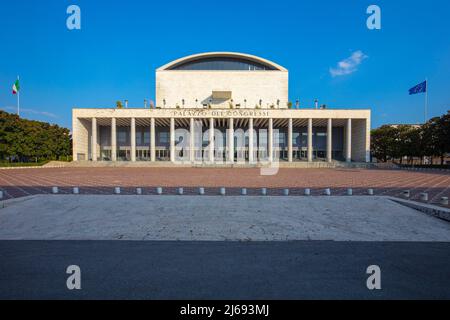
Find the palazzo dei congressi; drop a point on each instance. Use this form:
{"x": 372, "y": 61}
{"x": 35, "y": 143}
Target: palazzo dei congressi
{"x": 221, "y": 107}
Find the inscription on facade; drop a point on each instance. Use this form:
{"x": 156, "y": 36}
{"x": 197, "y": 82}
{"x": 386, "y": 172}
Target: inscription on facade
{"x": 220, "y": 113}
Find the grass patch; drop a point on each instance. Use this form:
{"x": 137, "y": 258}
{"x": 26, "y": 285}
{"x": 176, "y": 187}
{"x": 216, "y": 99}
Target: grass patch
{"x": 22, "y": 164}
{"x": 435, "y": 166}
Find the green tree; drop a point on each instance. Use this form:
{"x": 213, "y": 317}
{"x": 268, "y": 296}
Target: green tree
{"x": 396, "y": 142}
{"x": 383, "y": 142}
{"x": 26, "y": 140}
{"x": 438, "y": 133}
{"x": 408, "y": 141}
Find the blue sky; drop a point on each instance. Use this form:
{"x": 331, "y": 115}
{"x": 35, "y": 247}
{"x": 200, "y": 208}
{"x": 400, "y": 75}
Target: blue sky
{"x": 121, "y": 43}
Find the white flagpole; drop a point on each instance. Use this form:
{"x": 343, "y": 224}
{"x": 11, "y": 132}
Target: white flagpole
{"x": 426, "y": 101}
{"x": 18, "y": 98}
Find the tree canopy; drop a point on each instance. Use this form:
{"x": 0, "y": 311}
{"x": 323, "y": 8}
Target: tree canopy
{"x": 429, "y": 140}
{"x": 25, "y": 140}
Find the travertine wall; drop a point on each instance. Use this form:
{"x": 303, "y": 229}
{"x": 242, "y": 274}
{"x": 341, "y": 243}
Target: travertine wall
{"x": 81, "y": 135}
{"x": 360, "y": 140}
{"x": 108, "y": 113}
{"x": 253, "y": 86}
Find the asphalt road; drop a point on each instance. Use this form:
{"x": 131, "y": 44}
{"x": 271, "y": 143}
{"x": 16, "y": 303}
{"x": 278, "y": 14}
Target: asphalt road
{"x": 223, "y": 270}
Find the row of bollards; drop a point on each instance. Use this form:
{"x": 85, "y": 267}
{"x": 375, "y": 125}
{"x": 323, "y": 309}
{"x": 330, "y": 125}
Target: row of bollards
{"x": 222, "y": 191}
{"x": 424, "y": 197}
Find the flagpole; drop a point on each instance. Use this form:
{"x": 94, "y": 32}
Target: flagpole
{"x": 18, "y": 98}
{"x": 426, "y": 100}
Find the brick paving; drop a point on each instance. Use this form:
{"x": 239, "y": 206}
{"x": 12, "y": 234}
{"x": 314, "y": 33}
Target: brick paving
{"x": 23, "y": 182}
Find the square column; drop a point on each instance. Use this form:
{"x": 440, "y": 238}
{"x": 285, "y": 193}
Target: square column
{"x": 230, "y": 140}
{"x": 94, "y": 139}
{"x": 133, "y": 139}
{"x": 172, "y": 139}
{"x": 152, "y": 140}
{"x": 113, "y": 140}
{"x": 270, "y": 142}
{"x": 330, "y": 140}
{"x": 191, "y": 140}
{"x": 251, "y": 157}
{"x": 290, "y": 140}
{"x": 211, "y": 140}
{"x": 348, "y": 145}
{"x": 310, "y": 140}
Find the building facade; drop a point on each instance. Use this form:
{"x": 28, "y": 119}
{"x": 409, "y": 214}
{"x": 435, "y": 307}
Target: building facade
{"x": 221, "y": 108}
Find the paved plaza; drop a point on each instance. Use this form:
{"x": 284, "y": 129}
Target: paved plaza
{"x": 102, "y": 180}
{"x": 217, "y": 218}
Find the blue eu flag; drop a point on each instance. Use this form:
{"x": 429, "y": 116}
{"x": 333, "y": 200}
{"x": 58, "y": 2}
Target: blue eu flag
{"x": 422, "y": 87}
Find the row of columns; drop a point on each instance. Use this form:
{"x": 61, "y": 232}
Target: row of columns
{"x": 230, "y": 140}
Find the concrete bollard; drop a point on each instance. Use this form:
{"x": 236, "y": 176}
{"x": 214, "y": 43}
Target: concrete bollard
{"x": 55, "y": 190}
{"x": 117, "y": 190}
{"x": 159, "y": 191}
{"x": 222, "y": 191}
{"x": 349, "y": 192}
{"x": 201, "y": 191}
{"x": 264, "y": 191}
{"x": 424, "y": 196}
{"x": 139, "y": 191}
{"x": 444, "y": 201}
{"x": 180, "y": 191}
{"x": 243, "y": 192}
{"x": 76, "y": 190}
{"x": 406, "y": 194}
{"x": 327, "y": 192}
{"x": 370, "y": 192}
{"x": 307, "y": 192}
{"x": 286, "y": 192}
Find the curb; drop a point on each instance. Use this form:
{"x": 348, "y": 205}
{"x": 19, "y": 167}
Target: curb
{"x": 31, "y": 167}
{"x": 429, "y": 209}
{"x": 9, "y": 202}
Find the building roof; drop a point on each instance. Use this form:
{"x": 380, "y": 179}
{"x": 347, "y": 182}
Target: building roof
{"x": 225, "y": 55}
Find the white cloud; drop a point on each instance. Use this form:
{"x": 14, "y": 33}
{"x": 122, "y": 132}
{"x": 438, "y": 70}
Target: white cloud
{"x": 348, "y": 65}
{"x": 31, "y": 111}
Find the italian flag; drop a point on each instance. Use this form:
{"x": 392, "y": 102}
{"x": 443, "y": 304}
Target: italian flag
{"x": 16, "y": 87}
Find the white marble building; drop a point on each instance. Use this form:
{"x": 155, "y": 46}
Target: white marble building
{"x": 221, "y": 108}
